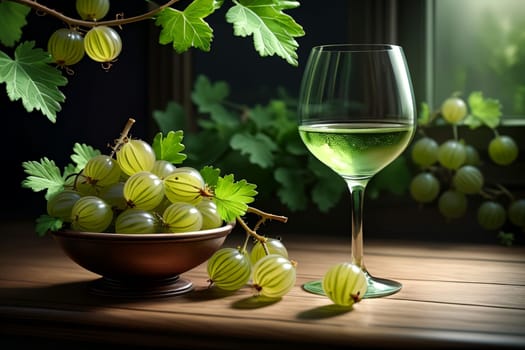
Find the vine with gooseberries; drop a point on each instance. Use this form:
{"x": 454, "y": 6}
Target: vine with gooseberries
{"x": 450, "y": 173}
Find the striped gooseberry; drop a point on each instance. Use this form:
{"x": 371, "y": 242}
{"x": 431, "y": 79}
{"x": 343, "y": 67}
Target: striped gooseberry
{"x": 102, "y": 44}
{"x": 66, "y": 46}
{"x": 92, "y": 10}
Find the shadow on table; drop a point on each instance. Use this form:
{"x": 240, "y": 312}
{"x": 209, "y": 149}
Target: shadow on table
{"x": 63, "y": 293}
{"x": 325, "y": 311}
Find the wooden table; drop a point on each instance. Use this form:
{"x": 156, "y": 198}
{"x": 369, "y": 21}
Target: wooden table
{"x": 453, "y": 295}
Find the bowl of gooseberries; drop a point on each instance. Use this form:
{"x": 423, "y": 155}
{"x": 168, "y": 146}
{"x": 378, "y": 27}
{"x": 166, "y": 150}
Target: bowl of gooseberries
{"x": 137, "y": 217}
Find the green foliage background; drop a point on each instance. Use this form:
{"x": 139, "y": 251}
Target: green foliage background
{"x": 261, "y": 143}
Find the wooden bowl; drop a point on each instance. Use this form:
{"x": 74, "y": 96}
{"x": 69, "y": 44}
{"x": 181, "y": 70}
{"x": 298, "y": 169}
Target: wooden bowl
{"x": 141, "y": 265}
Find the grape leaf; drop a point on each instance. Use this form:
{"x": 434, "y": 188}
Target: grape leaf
{"x": 68, "y": 174}
{"x": 187, "y": 28}
{"x": 210, "y": 98}
{"x": 292, "y": 191}
{"x": 29, "y": 77}
{"x": 258, "y": 147}
{"x": 222, "y": 119}
{"x": 13, "y": 19}
{"x": 483, "y": 111}
{"x": 169, "y": 148}
{"x": 172, "y": 118}
{"x": 274, "y": 118}
{"x": 294, "y": 145}
{"x": 328, "y": 187}
{"x": 273, "y": 31}
{"x": 205, "y": 94}
{"x": 326, "y": 194}
{"x": 81, "y": 154}
{"x": 45, "y": 223}
{"x": 199, "y": 151}
{"x": 232, "y": 197}
{"x": 210, "y": 175}
{"x": 43, "y": 175}
{"x": 262, "y": 117}
{"x": 394, "y": 178}
{"x": 284, "y": 126}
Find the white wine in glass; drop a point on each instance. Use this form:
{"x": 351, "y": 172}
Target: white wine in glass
{"x": 356, "y": 115}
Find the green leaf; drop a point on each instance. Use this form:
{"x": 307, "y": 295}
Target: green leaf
{"x": 172, "y": 118}
{"x": 210, "y": 175}
{"x": 295, "y": 146}
{"x": 170, "y": 147}
{"x": 29, "y": 77}
{"x": 328, "y": 186}
{"x": 206, "y": 95}
{"x": 285, "y": 125}
{"x": 185, "y": 29}
{"x": 483, "y": 111}
{"x": 424, "y": 115}
{"x": 292, "y": 191}
{"x": 43, "y": 175}
{"x": 81, "y": 154}
{"x": 210, "y": 98}
{"x": 321, "y": 170}
{"x": 222, "y": 119}
{"x": 263, "y": 117}
{"x": 46, "y": 223}
{"x": 13, "y": 19}
{"x": 258, "y": 147}
{"x": 395, "y": 178}
{"x": 69, "y": 171}
{"x": 199, "y": 151}
{"x": 232, "y": 198}
{"x": 273, "y": 31}
{"x": 326, "y": 194}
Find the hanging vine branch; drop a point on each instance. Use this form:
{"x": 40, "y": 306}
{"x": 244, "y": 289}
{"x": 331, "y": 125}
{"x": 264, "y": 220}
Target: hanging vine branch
{"x": 81, "y": 23}
{"x": 273, "y": 30}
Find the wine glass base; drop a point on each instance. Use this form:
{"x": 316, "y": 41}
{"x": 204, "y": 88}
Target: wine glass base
{"x": 377, "y": 287}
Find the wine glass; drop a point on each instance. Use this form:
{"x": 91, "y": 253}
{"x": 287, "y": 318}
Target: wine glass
{"x": 356, "y": 115}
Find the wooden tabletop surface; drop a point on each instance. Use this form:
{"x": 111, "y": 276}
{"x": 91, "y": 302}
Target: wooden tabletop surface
{"x": 453, "y": 295}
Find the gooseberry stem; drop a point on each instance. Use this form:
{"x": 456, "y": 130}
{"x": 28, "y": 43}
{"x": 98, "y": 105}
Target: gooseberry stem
{"x": 455, "y": 131}
{"x": 267, "y": 216}
{"x": 123, "y": 136}
{"x": 493, "y": 193}
{"x": 249, "y": 231}
{"x": 245, "y": 244}
{"x": 252, "y": 232}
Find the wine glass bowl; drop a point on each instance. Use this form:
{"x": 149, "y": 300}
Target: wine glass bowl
{"x": 357, "y": 115}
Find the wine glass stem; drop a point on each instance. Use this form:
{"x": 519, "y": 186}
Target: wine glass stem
{"x": 357, "y": 193}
